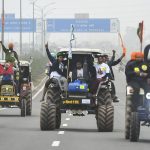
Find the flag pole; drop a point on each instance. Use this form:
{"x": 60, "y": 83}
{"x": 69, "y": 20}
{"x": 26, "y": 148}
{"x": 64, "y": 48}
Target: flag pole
{"x": 122, "y": 44}
{"x": 72, "y": 38}
{"x": 142, "y": 36}
{"x": 141, "y": 46}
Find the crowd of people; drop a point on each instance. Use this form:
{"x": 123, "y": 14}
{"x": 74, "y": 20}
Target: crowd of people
{"x": 137, "y": 70}
{"x": 97, "y": 72}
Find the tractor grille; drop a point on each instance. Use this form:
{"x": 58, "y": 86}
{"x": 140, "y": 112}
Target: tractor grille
{"x": 7, "y": 90}
{"x": 9, "y": 99}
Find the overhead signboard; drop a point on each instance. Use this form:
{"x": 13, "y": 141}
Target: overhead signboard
{"x": 9, "y": 16}
{"x": 13, "y": 25}
{"x": 83, "y": 25}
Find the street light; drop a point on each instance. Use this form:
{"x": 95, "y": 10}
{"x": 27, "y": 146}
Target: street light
{"x": 20, "y": 26}
{"x": 43, "y": 22}
{"x": 33, "y": 3}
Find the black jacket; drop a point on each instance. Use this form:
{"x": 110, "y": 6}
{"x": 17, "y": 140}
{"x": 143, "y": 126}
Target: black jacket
{"x": 131, "y": 75}
{"x": 56, "y": 67}
{"x": 112, "y": 63}
{"x": 50, "y": 57}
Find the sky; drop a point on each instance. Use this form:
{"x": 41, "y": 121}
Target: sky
{"x": 129, "y": 12}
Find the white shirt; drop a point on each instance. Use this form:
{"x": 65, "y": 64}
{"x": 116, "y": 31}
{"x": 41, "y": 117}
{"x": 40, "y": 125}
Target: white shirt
{"x": 102, "y": 70}
{"x": 80, "y": 73}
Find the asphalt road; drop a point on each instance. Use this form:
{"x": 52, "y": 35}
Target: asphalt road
{"x": 76, "y": 133}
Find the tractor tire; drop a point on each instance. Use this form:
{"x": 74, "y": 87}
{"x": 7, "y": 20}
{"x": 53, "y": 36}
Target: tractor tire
{"x": 29, "y": 104}
{"x": 134, "y": 127}
{"x": 58, "y": 119}
{"x": 48, "y": 116}
{"x": 105, "y": 118}
{"x": 23, "y": 107}
{"x": 104, "y": 97}
{"x": 53, "y": 96}
{"x": 127, "y": 116}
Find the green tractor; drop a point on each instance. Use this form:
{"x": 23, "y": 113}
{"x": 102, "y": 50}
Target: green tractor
{"x": 15, "y": 87}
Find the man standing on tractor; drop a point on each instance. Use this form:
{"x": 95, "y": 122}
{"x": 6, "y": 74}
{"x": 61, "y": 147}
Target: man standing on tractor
{"x": 112, "y": 62}
{"x": 58, "y": 69}
{"x": 138, "y": 74}
{"x": 102, "y": 71}
{"x": 11, "y": 55}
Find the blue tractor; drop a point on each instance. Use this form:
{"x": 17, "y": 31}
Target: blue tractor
{"x": 134, "y": 119}
{"x": 138, "y": 115}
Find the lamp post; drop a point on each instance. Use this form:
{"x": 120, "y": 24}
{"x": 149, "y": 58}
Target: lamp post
{"x": 20, "y": 26}
{"x": 43, "y": 23}
{"x": 3, "y": 26}
{"x": 33, "y": 3}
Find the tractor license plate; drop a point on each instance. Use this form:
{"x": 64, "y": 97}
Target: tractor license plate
{"x": 86, "y": 101}
{"x": 71, "y": 102}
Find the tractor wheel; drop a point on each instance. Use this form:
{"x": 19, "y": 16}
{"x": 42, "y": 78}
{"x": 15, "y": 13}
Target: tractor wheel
{"x": 134, "y": 127}
{"x": 29, "y": 104}
{"x": 58, "y": 119}
{"x": 23, "y": 107}
{"x": 105, "y": 118}
{"x": 48, "y": 116}
{"x": 104, "y": 97}
{"x": 53, "y": 96}
{"x": 128, "y": 116}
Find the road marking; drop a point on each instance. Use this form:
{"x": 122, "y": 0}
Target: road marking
{"x": 70, "y": 114}
{"x": 67, "y": 119}
{"x": 65, "y": 125}
{"x": 3, "y": 108}
{"x": 39, "y": 83}
{"x": 56, "y": 143}
{"x": 38, "y": 92}
{"x": 61, "y": 132}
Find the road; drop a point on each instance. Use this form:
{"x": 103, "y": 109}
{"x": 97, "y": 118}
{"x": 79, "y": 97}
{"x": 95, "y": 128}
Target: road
{"x": 76, "y": 133}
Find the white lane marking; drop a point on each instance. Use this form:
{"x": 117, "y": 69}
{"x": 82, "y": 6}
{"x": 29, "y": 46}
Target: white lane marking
{"x": 3, "y": 108}
{"x": 39, "y": 83}
{"x": 61, "y": 132}
{"x": 38, "y": 92}
{"x": 55, "y": 143}
{"x": 65, "y": 125}
{"x": 70, "y": 114}
{"x": 67, "y": 119}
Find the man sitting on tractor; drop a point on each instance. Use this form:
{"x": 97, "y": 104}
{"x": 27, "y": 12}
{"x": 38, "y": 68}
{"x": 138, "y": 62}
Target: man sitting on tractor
{"x": 137, "y": 75}
{"x": 58, "y": 69}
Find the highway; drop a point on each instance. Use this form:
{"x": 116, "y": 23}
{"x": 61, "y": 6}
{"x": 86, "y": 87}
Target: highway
{"x": 76, "y": 133}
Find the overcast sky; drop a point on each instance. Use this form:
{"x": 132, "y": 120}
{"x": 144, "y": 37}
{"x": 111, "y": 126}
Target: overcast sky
{"x": 129, "y": 12}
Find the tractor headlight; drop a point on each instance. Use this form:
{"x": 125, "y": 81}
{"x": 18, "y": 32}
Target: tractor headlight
{"x": 3, "y": 90}
{"x": 10, "y": 90}
{"x": 148, "y": 95}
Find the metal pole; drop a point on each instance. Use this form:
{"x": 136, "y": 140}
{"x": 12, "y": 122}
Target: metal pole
{"x": 42, "y": 34}
{"x": 20, "y": 26}
{"x": 3, "y": 26}
{"x": 33, "y": 27}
